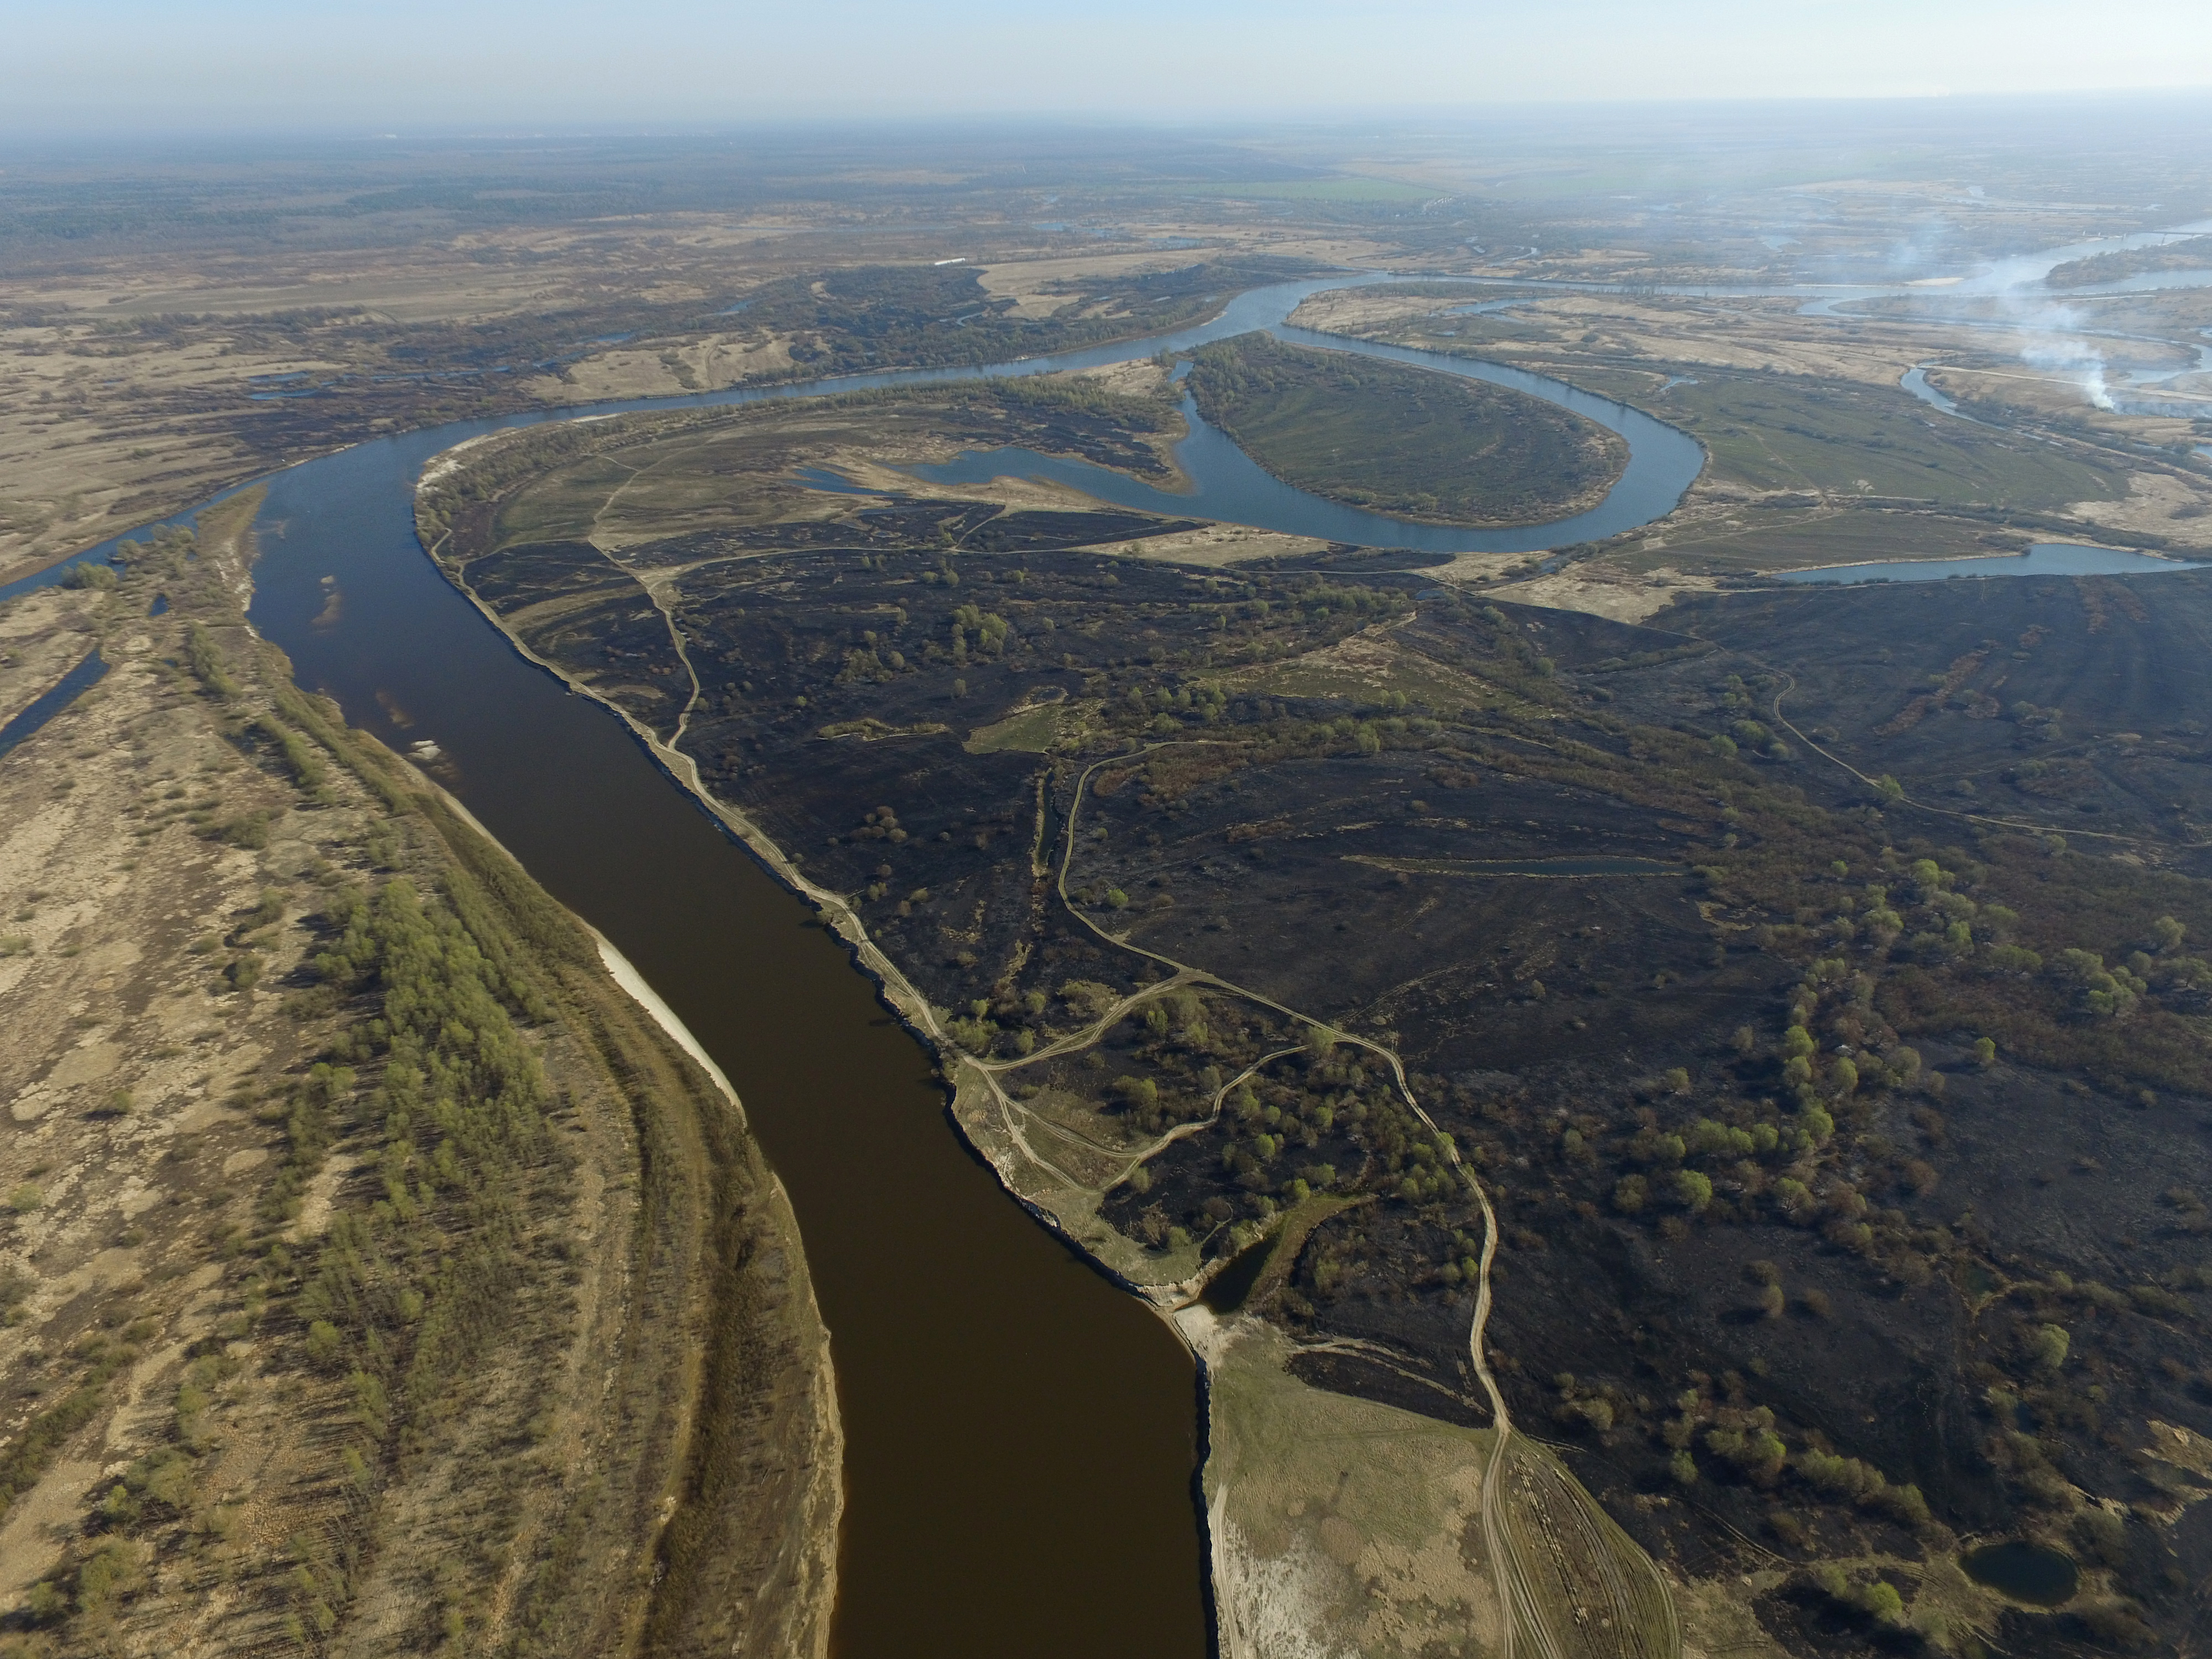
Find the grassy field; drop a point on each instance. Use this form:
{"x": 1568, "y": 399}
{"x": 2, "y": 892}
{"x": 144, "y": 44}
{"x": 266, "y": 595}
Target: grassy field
{"x": 1773, "y": 433}
{"x": 1030, "y": 731}
{"x": 1402, "y": 439}
{"x": 1360, "y": 190}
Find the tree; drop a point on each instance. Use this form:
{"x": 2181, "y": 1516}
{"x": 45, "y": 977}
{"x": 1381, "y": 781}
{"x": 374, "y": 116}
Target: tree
{"x": 2048, "y": 1345}
{"x": 1140, "y": 1092}
{"x": 1694, "y": 1190}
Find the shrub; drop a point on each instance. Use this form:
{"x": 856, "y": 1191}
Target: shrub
{"x": 205, "y": 659}
{"x": 324, "y": 1345}
{"x": 2047, "y": 1346}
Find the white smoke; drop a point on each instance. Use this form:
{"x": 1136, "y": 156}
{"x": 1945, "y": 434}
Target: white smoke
{"x": 2055, "y": 341}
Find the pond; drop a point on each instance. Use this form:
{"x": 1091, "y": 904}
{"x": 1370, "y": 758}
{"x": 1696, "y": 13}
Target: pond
{"x": 50, "y": 702}
{"x": 2027, "y": 1572}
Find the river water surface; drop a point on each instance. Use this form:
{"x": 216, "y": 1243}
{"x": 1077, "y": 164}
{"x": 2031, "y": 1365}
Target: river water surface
{"x": 1021, "y": 1435}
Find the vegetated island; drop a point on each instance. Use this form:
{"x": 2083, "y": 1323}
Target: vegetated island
{"x": 2186, "y": 253}
{"x": 1465, "y": 1015}
{"x": 1400, "y": 440}
{"x": 369, "y": 1256}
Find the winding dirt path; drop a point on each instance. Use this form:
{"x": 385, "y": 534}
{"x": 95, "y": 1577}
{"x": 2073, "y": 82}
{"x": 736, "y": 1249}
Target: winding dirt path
{"x": 1518, "y": 1599}
{"x": 1790, "y": 684}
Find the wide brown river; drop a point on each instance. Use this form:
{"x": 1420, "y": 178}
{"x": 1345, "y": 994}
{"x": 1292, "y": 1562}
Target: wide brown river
{"x": 1020, "y": 1434}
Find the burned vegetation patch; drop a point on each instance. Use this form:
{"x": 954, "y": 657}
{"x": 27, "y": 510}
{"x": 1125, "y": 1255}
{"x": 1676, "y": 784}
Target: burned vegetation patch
{"x": 2078, "y": 702}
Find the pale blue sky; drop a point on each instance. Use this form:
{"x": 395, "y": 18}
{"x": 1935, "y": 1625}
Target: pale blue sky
{"x": 69, "y": 65}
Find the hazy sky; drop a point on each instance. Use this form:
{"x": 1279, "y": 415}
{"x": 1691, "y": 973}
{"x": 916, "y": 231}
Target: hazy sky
{"x": 67, "y": 65}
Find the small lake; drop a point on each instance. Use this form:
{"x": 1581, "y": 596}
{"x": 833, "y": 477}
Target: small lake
{"x": 50, "y": 702}
{"x": 1915, "y": 380}
{"x": 2044, "y": 559}
{"x": 2027, "y": 1572}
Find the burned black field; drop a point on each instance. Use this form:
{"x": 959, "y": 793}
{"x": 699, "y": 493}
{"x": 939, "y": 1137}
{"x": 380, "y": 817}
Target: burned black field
{"x": 1848, "y": 1114}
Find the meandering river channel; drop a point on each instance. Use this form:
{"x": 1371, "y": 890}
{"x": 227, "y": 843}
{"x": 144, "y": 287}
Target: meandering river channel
{"x": 1021, "y": 1435}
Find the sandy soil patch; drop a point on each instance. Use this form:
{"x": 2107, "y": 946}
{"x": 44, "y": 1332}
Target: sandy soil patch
{"x": 2157, "y": 503}
{"x": 1223, "y": 544}
{"x": 1340, "y": 1527}
{"x": 1029, "y": 283}
{"x": 667, "y": 370}
{"x": 1602, "y": 591}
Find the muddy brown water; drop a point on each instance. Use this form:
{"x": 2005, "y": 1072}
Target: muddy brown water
{"x": 1020, "y": 1434}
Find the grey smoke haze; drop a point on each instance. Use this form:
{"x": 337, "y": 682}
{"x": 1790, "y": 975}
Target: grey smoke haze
{"x": 122, "y": 64}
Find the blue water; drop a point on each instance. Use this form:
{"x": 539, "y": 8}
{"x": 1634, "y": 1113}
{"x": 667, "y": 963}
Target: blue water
{"x": 2044, "y": 559}
{"x": 50, "y": 703}
{"x": 54, "y": 574}
{"x": 818, "y": 478}
{"x": 1228, "y": 485}
{"x": 1915, "y": 380}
